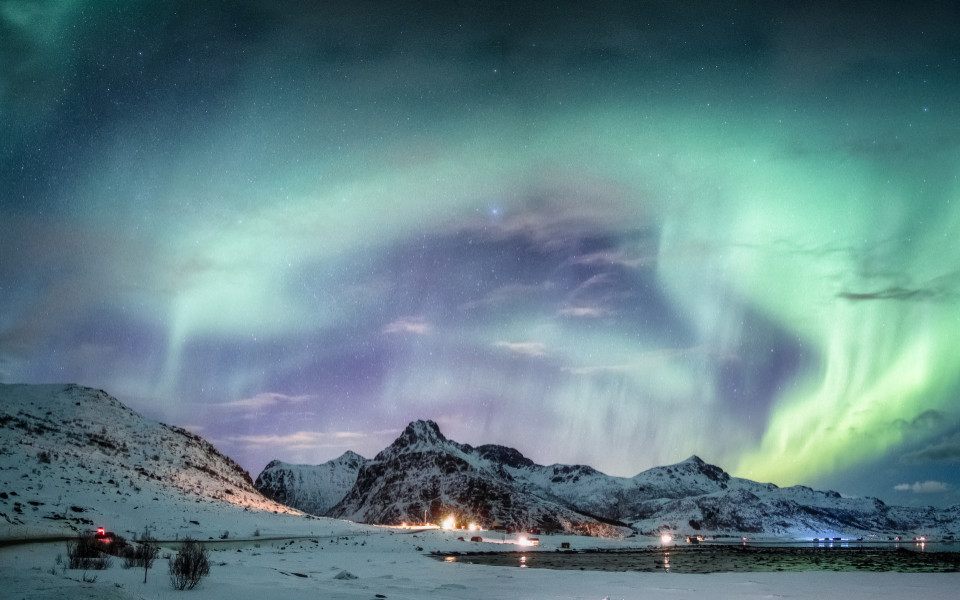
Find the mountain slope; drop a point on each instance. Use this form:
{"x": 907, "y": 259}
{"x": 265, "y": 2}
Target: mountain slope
{"x": 313, "y": 489}
{"x": 72, "y": 457}
{"x": 424, "y": 476}
{"x": 694, "y": 497}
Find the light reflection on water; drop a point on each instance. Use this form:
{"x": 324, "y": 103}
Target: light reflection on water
{"x": 826, "y": 543}
{"x": 906, "y": 557}
{"x": 915, "y": 545}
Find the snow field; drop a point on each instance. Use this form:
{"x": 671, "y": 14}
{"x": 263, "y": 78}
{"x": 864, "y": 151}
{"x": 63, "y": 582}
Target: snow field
{"x": 382, "y": 565}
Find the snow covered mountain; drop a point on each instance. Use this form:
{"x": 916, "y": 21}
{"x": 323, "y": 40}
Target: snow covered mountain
{"x": 423, "y": 472}
{"x": 425, "y": 476}
{"x": 693, "y": 497}
{"x": 313, "y": 489}
{"x": 73, "y": 457}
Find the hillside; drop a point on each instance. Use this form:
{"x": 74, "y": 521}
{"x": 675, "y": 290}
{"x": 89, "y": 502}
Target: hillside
{"x": 73, "y": 457}
{"x": 313, "y": 489}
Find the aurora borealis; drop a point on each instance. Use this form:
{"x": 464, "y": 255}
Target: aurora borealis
{"x": 608, "y": 233}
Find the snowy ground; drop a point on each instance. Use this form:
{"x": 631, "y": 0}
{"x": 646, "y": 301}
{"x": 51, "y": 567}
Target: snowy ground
{"x": 339, "y": 559}
{"x": 75, "y": 458}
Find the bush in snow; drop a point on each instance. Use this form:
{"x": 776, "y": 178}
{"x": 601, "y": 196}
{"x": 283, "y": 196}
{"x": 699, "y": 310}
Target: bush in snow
{"x": 189, "y": 566}
{"x": 141, "y": 555}
{"x": 85, "y": 552}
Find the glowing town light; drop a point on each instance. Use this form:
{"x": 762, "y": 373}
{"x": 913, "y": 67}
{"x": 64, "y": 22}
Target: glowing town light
{"x": 473, "y": 527}
{"x": 449, "y": 523}
{"x": 523, "y": 541}
{"x": 666, "y": 538}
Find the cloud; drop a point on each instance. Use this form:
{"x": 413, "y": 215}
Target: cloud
{"x": 262, "y": 401}
{"x": 299, "y": 439}
{"x": 928, "y": 419}
{"x": 613, "y": 258}
{"x": 533, "y": 349}
{"x": 417, "y": 325}
{"x": 944, "y": 287}
{"x": 893, "y": 293}
{"x": 601, "y": 295}
{"x": 509, "y": 294}
{"x": 946, "y": 450}
{"x": 582, "y": 312}
{"x": 927, "y": 487}
{"x": 645, "y": 361}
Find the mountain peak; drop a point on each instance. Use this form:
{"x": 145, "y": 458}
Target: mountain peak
{"x": 425, "y": 432}
{"x": 695, "y": 464}
{"x": 349, "y": 458}
{"x": 418, "y": 436}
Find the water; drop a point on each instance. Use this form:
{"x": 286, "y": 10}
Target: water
{"x": 727, "y": 558}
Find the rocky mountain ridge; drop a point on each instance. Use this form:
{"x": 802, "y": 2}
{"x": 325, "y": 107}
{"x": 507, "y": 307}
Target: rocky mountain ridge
{"x": 71, "y": 457}
{"x": 425, "y": 475}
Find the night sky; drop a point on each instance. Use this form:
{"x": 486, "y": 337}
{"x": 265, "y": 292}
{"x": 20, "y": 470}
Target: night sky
{"x": 611, "y": 233}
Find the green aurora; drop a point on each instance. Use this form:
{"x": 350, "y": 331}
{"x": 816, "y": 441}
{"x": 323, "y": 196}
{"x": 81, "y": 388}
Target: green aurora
{"x": 616, "y": 238}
